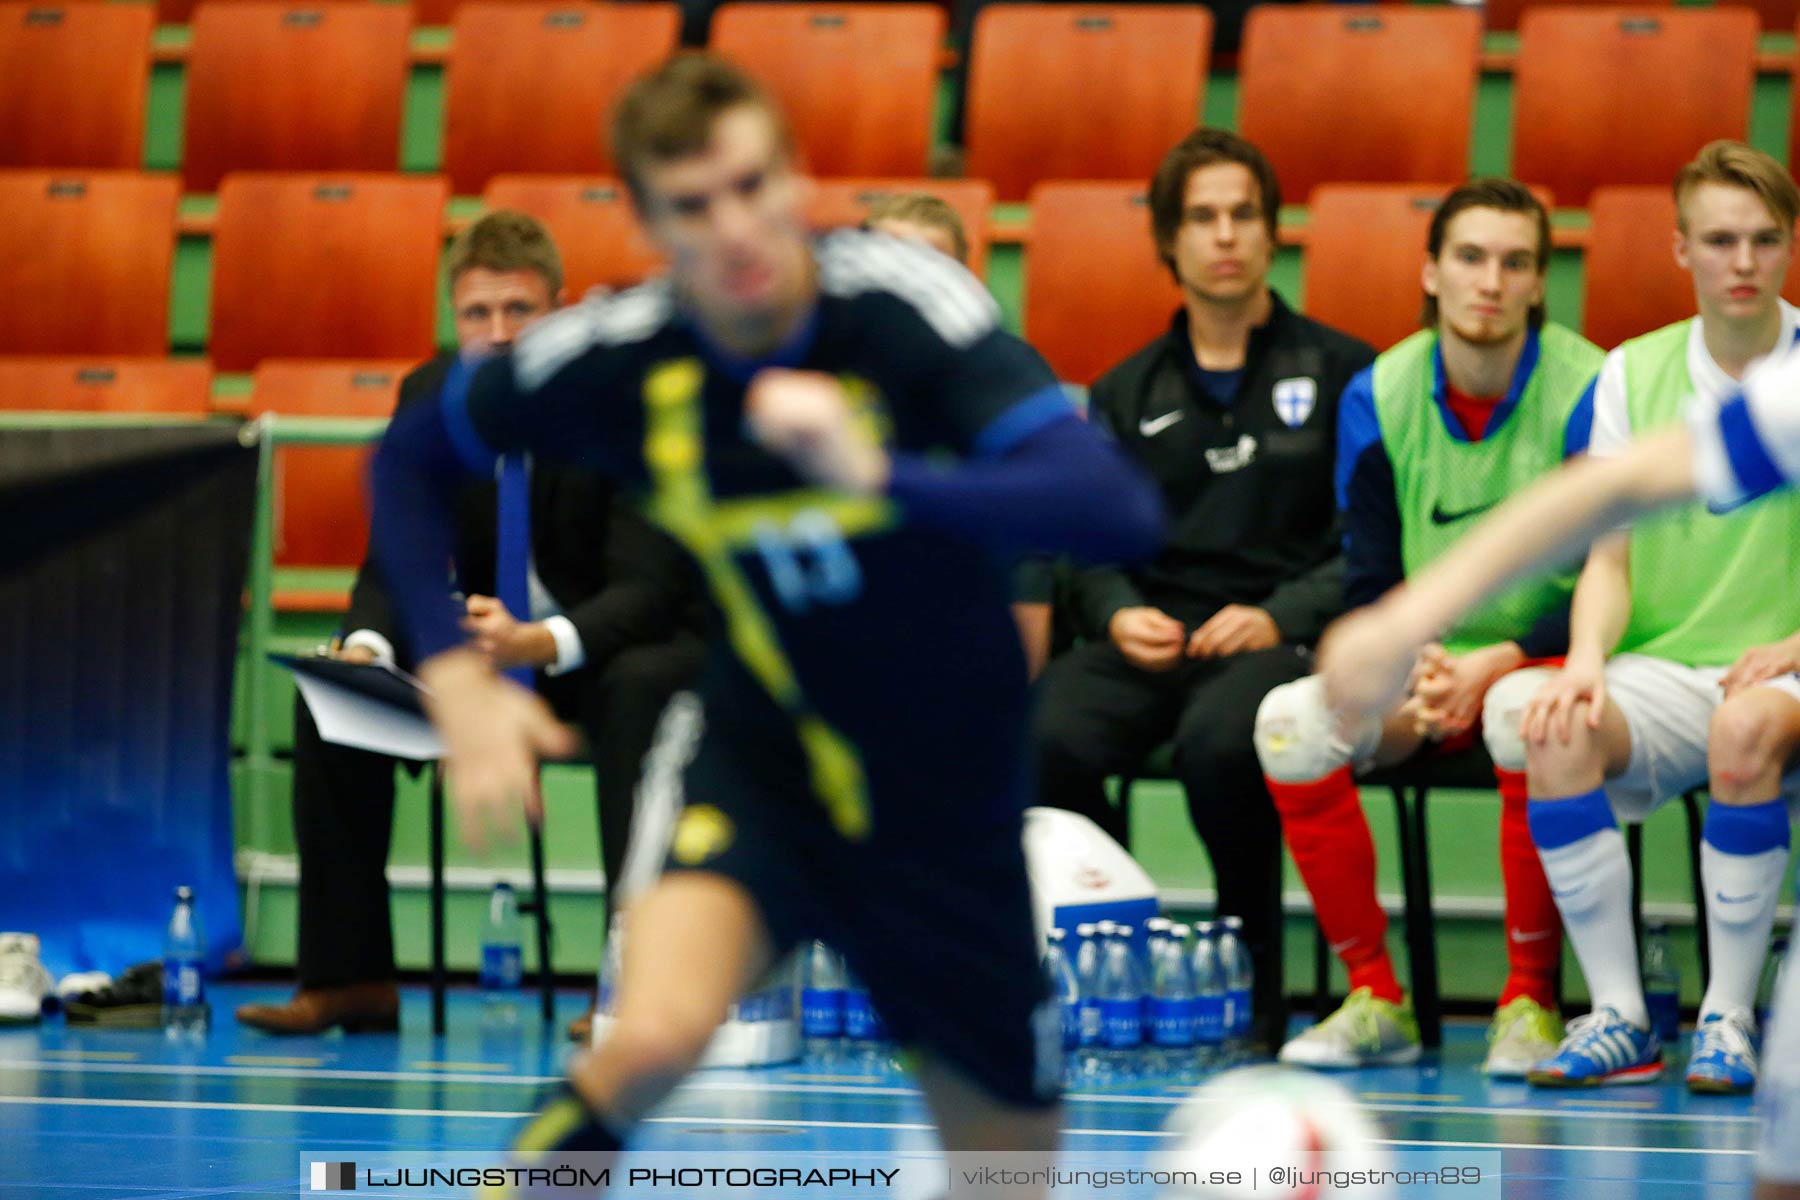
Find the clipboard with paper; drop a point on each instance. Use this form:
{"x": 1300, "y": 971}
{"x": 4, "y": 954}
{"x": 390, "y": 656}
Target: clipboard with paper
{"x": 370, "y": 706}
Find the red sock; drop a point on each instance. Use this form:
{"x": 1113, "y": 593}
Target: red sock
{"x": 1533, "y": 926}
{"x": 1329, "y": 836}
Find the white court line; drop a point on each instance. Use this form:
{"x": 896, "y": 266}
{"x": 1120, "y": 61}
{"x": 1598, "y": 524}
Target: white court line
{"x": 815, "y": 1089}
{"x": 766, "y": 1123}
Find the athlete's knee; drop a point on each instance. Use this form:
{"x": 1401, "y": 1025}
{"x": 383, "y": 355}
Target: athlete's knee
{"x": 1751, "y": 736}
{"x": 662, "y": 1043}
{"x": 1297, "y": 740}
{"x": 1502, "y": 712}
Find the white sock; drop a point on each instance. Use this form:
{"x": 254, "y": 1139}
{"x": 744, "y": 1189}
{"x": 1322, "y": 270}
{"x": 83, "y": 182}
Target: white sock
{"x": 1741, "y": 891}
{"x": 1591, "y": 880}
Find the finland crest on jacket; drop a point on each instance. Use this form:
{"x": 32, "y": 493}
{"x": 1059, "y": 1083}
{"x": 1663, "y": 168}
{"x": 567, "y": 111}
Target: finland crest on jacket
{"x": 1294, "y": 400}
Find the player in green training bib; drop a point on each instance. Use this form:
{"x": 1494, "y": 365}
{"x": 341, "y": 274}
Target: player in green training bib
{"x": 1682, "y": 652}
{"x": 1469, "y": 410}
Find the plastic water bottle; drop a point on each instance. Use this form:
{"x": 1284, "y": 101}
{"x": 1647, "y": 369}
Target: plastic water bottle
{"x": 1066, "y": 989}
{"x": 611, "y": 958}
{"x": 1156, "y": 940}
{"x": 502, "y": 963}
{"x": 1121, "y": 1006}
{"x": 1087, "y": 980}
{"x": 184, "y": 1008}
{"x": 821, "y": 1004}
{"x": 1240, "y": 987}
{"x": 1173, "y": 1007}
{"x": 1662, "y": 983}
{"x": 1770, "y": 985}
{"x": 865, "y": 1034}
{"x": 1209, "y": 990}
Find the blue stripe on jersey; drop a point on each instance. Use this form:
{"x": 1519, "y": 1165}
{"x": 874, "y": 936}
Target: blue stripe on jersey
{"x": 1023, "y": 419}
{"x": 1358, "y": 429}
{"x": 454, "y": 399}
{"x": 1580, "y": 429}
{"x": 1756, "y": 472}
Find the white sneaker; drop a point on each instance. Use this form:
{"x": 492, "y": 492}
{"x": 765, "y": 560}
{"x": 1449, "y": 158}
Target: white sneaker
{"x": 1522, "y": 1035}
{"x": 23, "y": 981}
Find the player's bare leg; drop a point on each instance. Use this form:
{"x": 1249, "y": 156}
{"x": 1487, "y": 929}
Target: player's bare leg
{"x": 970, "y": 1120}
{"x": 695, "y": 943}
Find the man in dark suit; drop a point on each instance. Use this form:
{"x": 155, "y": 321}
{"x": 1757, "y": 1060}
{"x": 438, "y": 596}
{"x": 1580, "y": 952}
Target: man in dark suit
{"x": 616, "y": 628}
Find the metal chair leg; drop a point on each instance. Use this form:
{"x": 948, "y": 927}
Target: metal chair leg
{"x": 1634, "y": 850}
{"x": 437, "y": 899}
{"x": 540, "y": 910}
{"x": 1421, "y": 944}
{"x": 1696, "y": 828}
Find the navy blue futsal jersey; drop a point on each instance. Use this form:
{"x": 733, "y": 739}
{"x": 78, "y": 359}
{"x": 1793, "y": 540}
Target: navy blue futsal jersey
{"x": 883, "y": 651}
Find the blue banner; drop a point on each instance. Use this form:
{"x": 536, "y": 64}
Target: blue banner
{"x": 122, "y": 560}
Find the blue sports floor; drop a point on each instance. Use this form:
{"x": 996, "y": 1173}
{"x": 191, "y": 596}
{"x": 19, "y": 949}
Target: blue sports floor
{"x": 127, "y": 1114}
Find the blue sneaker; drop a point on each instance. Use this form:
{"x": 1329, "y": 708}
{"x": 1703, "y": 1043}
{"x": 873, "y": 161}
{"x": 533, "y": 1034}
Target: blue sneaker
{"x": 1723, "y": 1061}
{"x": 1601, "y": 1048}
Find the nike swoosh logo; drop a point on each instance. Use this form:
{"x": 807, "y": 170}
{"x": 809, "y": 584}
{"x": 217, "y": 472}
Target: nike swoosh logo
{"x": 1340, "y": 947}
{"x": 1523, "y": 938}
{"x": 1440, "y": 517}
{"x": 1722, "y": 898}
{"x": 1152, "y": 426}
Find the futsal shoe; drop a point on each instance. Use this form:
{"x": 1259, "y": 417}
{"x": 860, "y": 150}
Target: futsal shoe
{"x": 1365, "y": 1031}
{"x": 1523, "y": 1034}
{"x": 566, "y": 1137}
{"x": 23, "y": 980}
{"x": 1601, "y": 1048}
{"x": 357, "y": 1007}
{"x": 1723, "y": 1061}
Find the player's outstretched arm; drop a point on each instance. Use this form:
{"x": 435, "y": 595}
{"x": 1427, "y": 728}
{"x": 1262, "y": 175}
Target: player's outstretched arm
{"x": 1366, "y": 657}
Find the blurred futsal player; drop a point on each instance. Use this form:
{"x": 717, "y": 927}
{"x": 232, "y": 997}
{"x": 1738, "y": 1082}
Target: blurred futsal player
{"x": 850, "y": 449}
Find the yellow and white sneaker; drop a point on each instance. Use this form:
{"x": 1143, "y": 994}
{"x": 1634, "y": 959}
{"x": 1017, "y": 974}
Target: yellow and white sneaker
{"x": 1365, "y": 1031}
{"x": 1522, "y": 1034}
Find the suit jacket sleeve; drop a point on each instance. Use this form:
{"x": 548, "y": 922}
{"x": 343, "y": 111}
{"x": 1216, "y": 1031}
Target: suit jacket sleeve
{"x": 652, "y": 589}
{"x": 371, "y": 607}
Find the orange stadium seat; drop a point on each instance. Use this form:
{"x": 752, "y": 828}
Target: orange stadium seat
{"x": 1626, "y": 96}
{"x": 1080, "y": 91}
{"x": 838, "y": 202}
{"x": 73, "y": 80}
{"x": 858, "y": 81}
{"x": 294, "y": 87}
{"x": 321, "y": 503}
{"x": 178, "y": 387}
{"x": 325, "y": 266}
{"x": 1338, "y": 93}
{"x": 1365, "y": 246}
{"x": 1633, "y": 283}
{"x": 85, "y": 257}
{"x": 1504, "y": 15}
{"x": 1094, "y": 288}
{"x": 590, "y": 220}
{"x": 578, "y": 57}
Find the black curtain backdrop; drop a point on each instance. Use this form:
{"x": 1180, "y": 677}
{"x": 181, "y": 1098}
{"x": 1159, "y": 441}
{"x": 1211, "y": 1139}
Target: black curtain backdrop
{"x": 123, "y": 553}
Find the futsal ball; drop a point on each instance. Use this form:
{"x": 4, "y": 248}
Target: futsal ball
{"x": 1274, "y": 1133}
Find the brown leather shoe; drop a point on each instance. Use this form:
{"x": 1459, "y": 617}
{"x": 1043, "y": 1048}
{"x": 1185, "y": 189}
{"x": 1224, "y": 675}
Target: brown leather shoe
{"x": 581, "y": 1029}
{"x": 358, "y": 1007}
